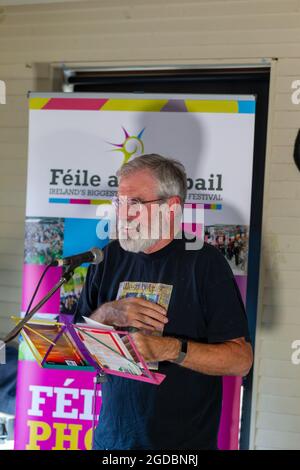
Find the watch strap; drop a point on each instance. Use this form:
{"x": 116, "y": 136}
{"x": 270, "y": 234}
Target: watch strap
{"x": 183, "y": 351}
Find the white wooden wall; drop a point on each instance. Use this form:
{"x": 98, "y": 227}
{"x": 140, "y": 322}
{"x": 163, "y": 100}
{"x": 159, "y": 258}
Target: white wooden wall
{"x": 173, "y": 32}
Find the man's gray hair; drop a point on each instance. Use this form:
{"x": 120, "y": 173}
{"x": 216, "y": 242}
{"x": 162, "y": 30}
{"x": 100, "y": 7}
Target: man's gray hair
{"x": 170, "y": 174}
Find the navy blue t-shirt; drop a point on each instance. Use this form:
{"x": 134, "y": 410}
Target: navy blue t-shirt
{"x": 183, "y": 412}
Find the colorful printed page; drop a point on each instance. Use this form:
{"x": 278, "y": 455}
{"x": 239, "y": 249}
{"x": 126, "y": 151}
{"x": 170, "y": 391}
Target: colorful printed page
{"x": 50, "y": 339}
{"x": 101, "y": 326}
{"x": 107, "y": 349}
{"x": 154, "y": 292}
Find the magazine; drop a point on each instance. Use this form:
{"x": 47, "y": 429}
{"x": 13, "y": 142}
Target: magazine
{"x": 88, "y": 346}
{"x": 52, "y": 344}
{"x": 154, "y": 292}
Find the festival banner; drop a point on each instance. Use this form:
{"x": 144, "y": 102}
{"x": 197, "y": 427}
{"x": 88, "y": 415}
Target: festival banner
{"x": 77, "y": 142}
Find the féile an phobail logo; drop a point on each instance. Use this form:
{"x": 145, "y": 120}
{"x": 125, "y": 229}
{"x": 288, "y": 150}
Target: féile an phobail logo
{"x": 2, "y": 92}
{"x": 131, "y": 146}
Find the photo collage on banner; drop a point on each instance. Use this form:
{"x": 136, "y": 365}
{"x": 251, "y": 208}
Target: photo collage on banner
{"x": 76, "y": 145}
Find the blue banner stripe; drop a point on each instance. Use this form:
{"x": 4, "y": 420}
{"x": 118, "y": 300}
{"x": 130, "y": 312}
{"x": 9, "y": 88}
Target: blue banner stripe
{"x": 246, "y": 107}
{"x": 58, "y": 200}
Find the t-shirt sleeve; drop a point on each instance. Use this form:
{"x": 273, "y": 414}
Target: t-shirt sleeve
{"x": 224, "y": 308}
{"x": 88, "y": 300}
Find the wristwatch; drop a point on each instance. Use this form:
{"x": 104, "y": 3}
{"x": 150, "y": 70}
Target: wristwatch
{"x": 183, "y": 351}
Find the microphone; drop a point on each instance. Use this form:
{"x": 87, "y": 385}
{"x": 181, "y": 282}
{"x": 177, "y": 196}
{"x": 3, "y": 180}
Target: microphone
{"x": 94, "y": 256}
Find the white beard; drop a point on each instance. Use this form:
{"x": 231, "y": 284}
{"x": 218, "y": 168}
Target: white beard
{"x": 135, "y": 239}
{"x": 138, "y": 241}
{"x": 135, "y": 246}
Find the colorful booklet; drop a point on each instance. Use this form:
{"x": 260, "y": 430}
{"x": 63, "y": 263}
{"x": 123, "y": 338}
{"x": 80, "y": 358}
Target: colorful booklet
{"x": 52, "y": 344}
{"x": 107, "y": 347}
{"x": 86, "y": 346}
{"x": 154, "y": 292}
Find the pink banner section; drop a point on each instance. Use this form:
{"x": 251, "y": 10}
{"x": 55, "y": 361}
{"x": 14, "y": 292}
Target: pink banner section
{"x": 194, "y": 229}
{"x": 241, "y": 281}
{"x": 90, "y": 104}
{"x": 228, "y": 438}
{"x": 230, "y": 418}
{"x": 193, "y": 220}
{"x": 31, "y": 276}
{"x": 54, "y": 408}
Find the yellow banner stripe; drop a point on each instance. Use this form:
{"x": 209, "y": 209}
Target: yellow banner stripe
{"x": 38, "y": 103}
{"x": 100, "y": 201}
{"x": 133, "y": 105}
{"x": 211, "y": 106}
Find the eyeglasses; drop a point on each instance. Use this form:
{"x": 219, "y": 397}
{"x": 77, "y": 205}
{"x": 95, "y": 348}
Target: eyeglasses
{"x": 118, "y": 201}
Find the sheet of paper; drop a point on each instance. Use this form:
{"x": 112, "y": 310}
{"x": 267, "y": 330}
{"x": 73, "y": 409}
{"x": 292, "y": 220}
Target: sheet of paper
{"x": 107, "y": 353}
{"x": 97, "y": 324}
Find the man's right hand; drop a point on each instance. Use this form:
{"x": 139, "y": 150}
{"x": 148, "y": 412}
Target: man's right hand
{"x": 132, "y": 311}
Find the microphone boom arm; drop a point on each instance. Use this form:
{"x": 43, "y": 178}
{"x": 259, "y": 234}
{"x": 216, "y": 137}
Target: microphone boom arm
{"x": 16, "y": 330}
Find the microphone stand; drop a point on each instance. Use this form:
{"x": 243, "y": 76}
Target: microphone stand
{"x": 100, "y": 376}
{"x": 16, "y": 330}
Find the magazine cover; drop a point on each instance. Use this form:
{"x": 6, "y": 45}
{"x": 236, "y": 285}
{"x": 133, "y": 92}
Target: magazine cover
{"x": 154, "y": 292}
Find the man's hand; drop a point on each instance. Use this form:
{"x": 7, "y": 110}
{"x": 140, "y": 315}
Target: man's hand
{"x": 132, "y": 311}
{"x": 156, "y": 348}
{"x": 230, "y": 358}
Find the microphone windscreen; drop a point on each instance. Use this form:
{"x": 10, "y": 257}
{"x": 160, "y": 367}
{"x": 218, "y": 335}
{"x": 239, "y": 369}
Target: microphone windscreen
{"x": 98, "y": 255}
